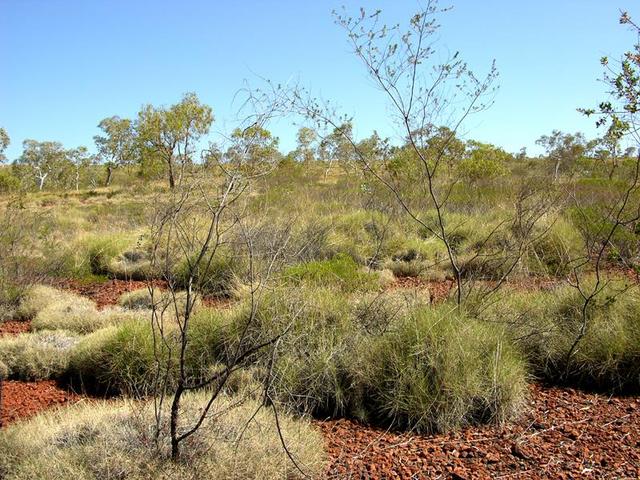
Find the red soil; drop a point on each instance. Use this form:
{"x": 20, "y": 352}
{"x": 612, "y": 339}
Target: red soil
{"x": 25, "y": 399}
{"x": 14, "y": 328}
{"x": 438, "y": 290}
{"x": 564, "y": 434}
{"x": 106, "y": 293}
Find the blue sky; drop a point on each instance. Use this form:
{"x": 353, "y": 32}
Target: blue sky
{"x": 68, "y": 64}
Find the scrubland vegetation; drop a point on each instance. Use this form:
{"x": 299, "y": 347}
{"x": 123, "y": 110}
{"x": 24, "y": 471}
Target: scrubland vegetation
{"x": 286, "y": 286}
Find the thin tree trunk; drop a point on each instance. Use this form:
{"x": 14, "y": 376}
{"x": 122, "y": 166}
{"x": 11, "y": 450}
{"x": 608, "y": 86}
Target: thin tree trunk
{"x": 172, "y": 180}
{"x": 175, "y": 411}
{"x": 109, "y": 175}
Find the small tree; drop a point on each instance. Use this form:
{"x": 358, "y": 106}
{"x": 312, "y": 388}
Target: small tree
{"x": 424, "y": 89}
{"x": 173, "y": 133}
{"x": 4, "y": 143}
{"x": 564, "y": 150}
{"x": 42, "y": 160}
{"x": 117, "y": 147}
{"x": 306, "y": 138}
{"x": 81, "y": 163}
{"x": 337, "y": 146}
{"x": 620, "y": 115}
{"x": 483, "y": 161}
{"x": 253, "y": 146}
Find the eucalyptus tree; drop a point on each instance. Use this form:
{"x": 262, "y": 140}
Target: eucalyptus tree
{"x": 4, "y": 143}
{"x": 172, "y": 133}
{"x": 564, "y": 150}
{"x": 80, "y": 163}
{"x": 42, "y": 160}
{"x": 117, "y": 145}
{"x": 306, "y": 138}
{"x": 254, "y": 146}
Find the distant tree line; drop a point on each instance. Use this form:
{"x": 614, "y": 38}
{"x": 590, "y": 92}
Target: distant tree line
{"x": 162, "y": 141}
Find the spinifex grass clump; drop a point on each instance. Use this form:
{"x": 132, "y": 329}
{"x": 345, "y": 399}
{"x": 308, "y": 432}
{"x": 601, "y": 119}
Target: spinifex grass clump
{"x": 217, "y": 277}
{"x": 122, "y": 358}
{"x": 53, "y": 309}
{"x": 341, "y": 271}
{"x": 118, "y": 256}
{"x": 119, "y": 359}
{"x": 431, "y": 369}
{"x": 164, "y": 301}
{"x": 437, "y": 370}
{"x": 100, "y": 440}
{"x": 546, "y": 324}
{"x": 37, "y": 356}
{"x": 384, "y": 358}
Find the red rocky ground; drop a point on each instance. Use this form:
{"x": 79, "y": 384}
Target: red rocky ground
{"x": 565, "y": 434}
{"x": 14, "y": 328}
{"x": 106, "y": 293}
{"x": 25, "y": 399}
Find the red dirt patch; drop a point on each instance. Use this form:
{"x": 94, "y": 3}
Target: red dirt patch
{"x": 107, "y": 293}
{"x": 565, "y": 434}
{"x": 25, "y": 399}
{"x": 14, "y": 328}
{"x": 438, "y": 290}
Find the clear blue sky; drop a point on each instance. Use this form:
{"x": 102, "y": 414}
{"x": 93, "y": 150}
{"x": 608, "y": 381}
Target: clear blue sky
{"x": 65, "y": 65}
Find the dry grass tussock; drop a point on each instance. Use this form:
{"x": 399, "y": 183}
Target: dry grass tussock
{"x": 114, "y": 440}
{"x": 37, "y": 356}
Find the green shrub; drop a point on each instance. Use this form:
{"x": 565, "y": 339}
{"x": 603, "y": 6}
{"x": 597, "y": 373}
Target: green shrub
{"x": 218, "y": 278}
{"x": 545, "y": 325}
{"x": 438, "y": 370}
{"x": 37, "y": 356}
{"x": 341, "y": 271}
{"x": 119, "y": 359}
{"x": 8, "y": 181}
{"x": 112, "y": 440}
{"x": 415, "y": 366}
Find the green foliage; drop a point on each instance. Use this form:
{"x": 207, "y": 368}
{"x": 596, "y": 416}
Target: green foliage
{"x": 8, "y": 181}
{"x": 121, "y": 358}
{"x": 118, "y": 359}
{"x": 595, "y": 224}
{"x": 171, "y": 133}
{"x": 546, "y": 324}
{"x": 216, "y": 276}
{"x": 341, "y": 271}
{"x": 4, "y": 143}
{"x": 436, "y": 371}
{"x": 484, "y": 161}
{"x": 390, "y": 360}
